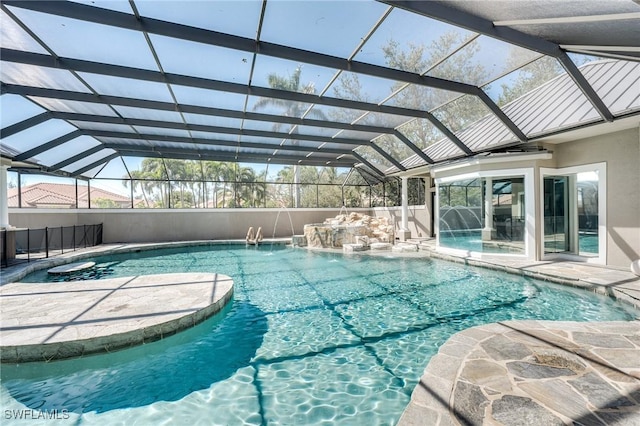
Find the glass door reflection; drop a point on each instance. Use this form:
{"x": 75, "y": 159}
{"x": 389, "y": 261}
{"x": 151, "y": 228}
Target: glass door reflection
{"x": 556, "y": 214}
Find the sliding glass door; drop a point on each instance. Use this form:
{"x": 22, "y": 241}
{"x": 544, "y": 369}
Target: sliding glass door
{"x": 588, "y": 207}
{"x": 556, "y": 215}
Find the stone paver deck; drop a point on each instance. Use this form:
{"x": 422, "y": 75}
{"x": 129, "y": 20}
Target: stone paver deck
{"x": 532, "y": 373}
{"x": 45, "y": 321}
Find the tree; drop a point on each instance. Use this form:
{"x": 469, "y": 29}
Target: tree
{"x": 455, "y": 111}
{"x": 148, "y": 179}
{"x": 185, "y": 183}
{"x": 178, "y": 172}
{"x": 330, "y": 193}
{"x": 157, "y": 176}
{"x": 528, "y": 78}
{"x": 320, "y": 187}
{"x": 417, "y": 58}
{"x": 105, "y": 203}
{"x": 137, "y": 182}
{"x": 290, "y": 109}
{"x": 213, "y": 171}
{"x": 181, "y": 200}
{"x": 244, "y": 194}
{"x": 191, "y": 183}
{"x": 154, "y": 170}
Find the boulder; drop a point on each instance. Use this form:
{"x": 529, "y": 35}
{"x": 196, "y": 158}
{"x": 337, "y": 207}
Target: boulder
{"x": 352, "y": 228}
{"x": 299, "y": 240}
{"x": 350, "y": 248}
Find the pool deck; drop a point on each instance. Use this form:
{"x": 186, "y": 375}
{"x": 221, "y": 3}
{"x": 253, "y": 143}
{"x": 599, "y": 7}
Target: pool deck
{"x": 532, "y": 373}
{"x": 47, "y": 321}
{"x": 513, "y": 373}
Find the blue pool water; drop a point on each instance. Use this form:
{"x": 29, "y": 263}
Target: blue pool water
{"x": 309, "y": 338}
{"x": 588, "y": 243}
{"x": 471, "y": 240}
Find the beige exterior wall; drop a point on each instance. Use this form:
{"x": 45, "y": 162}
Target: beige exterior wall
{"x": 150, "y": 225}
{"x": 134, "y": 226}
{"x": 39, "y": 218}
{"x": 498, "y": 166}
{"x": 521, "y": 165}
{"x": 621, "y": 152}
{"x": 419, "y": 219}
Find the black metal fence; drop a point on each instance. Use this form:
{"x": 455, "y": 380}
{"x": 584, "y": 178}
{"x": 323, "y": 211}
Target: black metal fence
{"x": 23, "y": 245}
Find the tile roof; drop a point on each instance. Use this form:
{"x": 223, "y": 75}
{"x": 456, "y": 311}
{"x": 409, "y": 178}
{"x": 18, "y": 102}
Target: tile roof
{"x": 58, "y": 194}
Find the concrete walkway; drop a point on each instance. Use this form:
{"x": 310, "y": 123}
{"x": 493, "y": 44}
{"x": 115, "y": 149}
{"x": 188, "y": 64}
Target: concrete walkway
{"x": 46, "y": 321}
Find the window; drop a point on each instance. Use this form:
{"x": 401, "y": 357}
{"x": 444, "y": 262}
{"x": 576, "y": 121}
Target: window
{"x": 486, "y": 212}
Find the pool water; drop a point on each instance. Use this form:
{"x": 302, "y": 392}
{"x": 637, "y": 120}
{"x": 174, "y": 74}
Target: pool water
{"x": 471, "y": 240}
{"x": 309, "y": 338}
{"x": 588, "y": 243}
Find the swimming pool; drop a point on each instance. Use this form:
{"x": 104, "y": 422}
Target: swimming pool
{"x": 310, "y": 337}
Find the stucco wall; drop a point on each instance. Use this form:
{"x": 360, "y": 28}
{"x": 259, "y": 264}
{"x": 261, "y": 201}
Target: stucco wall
{"x": 40, "y": 218}
{"x": 419, "y": 219}
{"x": 126, "y": 225}
{"x": 621, "y": 152}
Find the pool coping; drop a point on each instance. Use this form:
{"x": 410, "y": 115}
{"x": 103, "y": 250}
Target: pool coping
{"x": 615, "y": 282}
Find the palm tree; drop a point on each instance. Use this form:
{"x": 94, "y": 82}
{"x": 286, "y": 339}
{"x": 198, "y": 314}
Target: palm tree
{"x": 210, "y": 171}
{"x": 177, "y": 174}
{"x": 136, "y": 179}
{"x": 243, "y": 187}
{"x": 154, "y": 168}
{"x": 194, "y": 176}
{"x": 290, "y": 109}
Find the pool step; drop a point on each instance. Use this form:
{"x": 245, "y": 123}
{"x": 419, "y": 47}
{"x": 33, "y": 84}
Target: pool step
{"x": 71, "y": 268}
{"x": 380, "y": 246}
{"x": 404, "y": 247}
